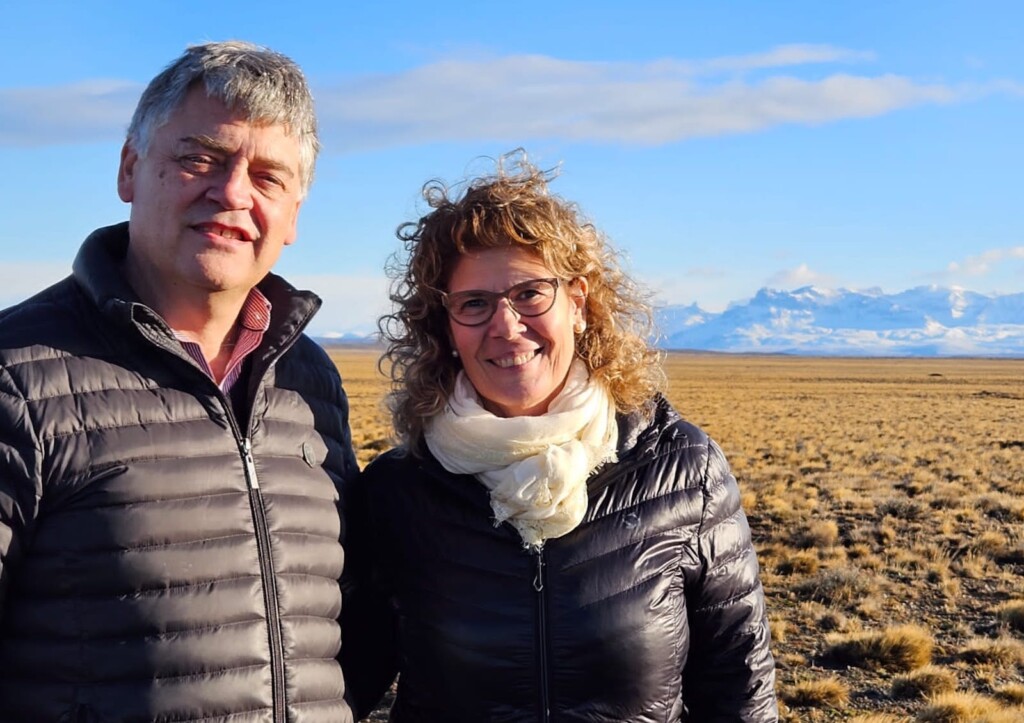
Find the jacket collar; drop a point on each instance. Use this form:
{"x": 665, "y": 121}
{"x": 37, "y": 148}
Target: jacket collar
{"x": 641, "y": 430}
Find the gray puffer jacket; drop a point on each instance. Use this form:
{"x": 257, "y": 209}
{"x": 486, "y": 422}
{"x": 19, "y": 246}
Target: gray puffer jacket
{"x": 650, "y": 611}
{"x": 161, "y": 559}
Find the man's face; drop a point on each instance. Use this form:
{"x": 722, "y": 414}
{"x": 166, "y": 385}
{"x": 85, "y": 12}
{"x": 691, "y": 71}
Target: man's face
{"x": 214, "y": 200}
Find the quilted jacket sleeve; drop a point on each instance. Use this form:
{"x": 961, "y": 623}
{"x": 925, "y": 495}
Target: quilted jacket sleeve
{"x": 19, "y": 492}
{"x": 730, "y": 674}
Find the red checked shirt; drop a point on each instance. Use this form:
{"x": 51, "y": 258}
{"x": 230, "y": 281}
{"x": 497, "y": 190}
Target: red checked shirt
{"x": 254, "y": 320}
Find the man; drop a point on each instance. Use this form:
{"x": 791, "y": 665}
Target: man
{"x": 172, "y": 447}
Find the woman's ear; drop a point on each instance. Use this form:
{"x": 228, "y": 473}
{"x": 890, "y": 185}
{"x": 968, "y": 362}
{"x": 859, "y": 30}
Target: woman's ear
{"x": 578, "y": 296}
{"x": 451, "y": 343}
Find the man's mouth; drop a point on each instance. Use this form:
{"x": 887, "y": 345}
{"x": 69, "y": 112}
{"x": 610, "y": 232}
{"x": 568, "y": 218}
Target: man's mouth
{"x": 227, "y": 232}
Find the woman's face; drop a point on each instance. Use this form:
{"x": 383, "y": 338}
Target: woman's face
{"x": 517, "y": 364}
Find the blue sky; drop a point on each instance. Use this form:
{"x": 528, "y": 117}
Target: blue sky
{"x": 722, "y": 146}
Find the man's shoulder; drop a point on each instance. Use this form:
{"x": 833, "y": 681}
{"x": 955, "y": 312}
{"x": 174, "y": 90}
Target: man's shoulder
{"x": 308, "y": 369}
{"x": 305, "y": 352}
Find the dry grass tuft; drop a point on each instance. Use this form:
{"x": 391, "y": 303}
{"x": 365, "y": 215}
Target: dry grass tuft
{"x": 901, "y": 508}
{"x": 925, "y": 682}
{"x": 778, "y": 627}
{"x": 966, "y": 708}
{"x": 898, "y": 649}
{"x": 794, "y": 661}
{"x": 1012, "y": 613}
{"x": 1011, "y": 693}
{"x": 839, "y": 586}
{"x": 821, "y": 693}
{"x": 799, "y": 563}
{"x": 817, "y": 534}
{"x": 996, "y": 651}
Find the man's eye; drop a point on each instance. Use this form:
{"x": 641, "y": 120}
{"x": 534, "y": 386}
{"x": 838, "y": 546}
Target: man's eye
{"x": 269, "y": 180}
{"x": 197, "y": 163}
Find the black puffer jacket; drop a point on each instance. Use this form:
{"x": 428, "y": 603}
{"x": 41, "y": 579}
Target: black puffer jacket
{"x": 651, "y": 610}
{"x": 161, "y": 560}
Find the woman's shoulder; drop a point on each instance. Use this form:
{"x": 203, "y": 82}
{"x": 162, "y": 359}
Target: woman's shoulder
{"x": 399, "y": 467}
{"x": 387, "y": 463}
{"x": 660, "y": 427}
{"x": 686, "y": 452}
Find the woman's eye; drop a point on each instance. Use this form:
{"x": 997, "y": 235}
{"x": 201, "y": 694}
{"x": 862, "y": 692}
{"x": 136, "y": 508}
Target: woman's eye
{"x": 473, "y": 304}
{"x": 528, "y": 295}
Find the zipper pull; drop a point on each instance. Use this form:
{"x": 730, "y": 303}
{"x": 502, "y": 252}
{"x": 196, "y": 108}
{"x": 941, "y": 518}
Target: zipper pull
{"x": 538, "y": 579}
{"x": 250, "y": 464}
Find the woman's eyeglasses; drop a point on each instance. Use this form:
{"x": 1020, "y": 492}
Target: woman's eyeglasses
{"x": 476, "y": 307}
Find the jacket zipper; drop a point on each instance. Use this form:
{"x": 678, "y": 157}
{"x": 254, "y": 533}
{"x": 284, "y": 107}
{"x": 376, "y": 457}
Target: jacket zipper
{"x": 263, "y": 547}
{"x": 259, "y": 519}
{"x": 542, "y": 634}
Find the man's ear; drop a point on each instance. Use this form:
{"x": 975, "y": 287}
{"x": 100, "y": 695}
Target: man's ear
{"x": 294, "y": 232}
{"x": 126, "y": 173}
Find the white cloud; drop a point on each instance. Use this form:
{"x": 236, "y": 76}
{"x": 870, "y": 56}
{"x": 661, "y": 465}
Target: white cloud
{"x": 21, "y": 279}
{"x": 802, "y": 275}
{"x": 984, "y": 263}
{"x": 519, "y": 97}
{"x": 523, "y": 97}
{"x": 85, "y": 112}
{"x": 787, "y": 55}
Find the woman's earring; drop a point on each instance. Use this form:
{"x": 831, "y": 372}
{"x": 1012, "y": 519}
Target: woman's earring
{"x": 579, "y": 327}
{"x": 455, "y": 353}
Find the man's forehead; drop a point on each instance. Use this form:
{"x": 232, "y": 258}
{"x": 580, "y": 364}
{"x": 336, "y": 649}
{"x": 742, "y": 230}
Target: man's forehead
{"x": 272, "y": 155}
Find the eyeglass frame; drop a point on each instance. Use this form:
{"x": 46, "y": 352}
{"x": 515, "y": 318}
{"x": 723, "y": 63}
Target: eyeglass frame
{"x": 495, "y": 296}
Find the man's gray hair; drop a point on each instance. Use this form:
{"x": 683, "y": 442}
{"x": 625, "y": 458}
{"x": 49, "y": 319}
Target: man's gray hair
{"x": 261, "y": 84}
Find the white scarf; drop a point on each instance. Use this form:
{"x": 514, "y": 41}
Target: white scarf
{"x": 536, "y": 468}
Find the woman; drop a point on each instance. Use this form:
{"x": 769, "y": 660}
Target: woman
{"x": 553, "y": 542}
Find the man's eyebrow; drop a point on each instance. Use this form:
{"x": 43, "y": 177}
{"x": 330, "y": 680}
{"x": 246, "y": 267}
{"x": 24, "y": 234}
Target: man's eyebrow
{"x": 212, "y": 144}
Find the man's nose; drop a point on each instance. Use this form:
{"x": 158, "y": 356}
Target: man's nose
{"x": 232, "y": 189}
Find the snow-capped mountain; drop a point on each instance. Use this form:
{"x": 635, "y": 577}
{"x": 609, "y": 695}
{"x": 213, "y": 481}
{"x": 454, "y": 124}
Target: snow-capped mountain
{"x": 925, "y": 321}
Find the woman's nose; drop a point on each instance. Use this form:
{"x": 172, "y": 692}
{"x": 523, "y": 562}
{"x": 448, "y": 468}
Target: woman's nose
{"x": 506, "y": 321}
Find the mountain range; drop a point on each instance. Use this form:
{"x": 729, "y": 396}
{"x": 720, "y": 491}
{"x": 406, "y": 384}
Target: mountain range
{"x": 924, "y": 321}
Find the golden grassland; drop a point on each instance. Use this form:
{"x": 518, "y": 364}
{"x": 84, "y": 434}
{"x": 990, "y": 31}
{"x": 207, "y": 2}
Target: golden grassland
{"x": 886, "y": 499}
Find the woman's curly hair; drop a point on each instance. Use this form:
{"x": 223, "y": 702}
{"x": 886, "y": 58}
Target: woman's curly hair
{"x": 512, "y": 207}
